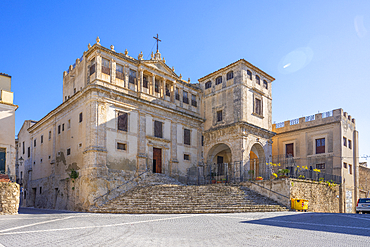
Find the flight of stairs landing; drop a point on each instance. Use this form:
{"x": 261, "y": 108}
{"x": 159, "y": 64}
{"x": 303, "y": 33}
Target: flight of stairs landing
{"x": 181, "y": 199}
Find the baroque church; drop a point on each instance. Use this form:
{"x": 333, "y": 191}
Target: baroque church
{"x": 123, "y": 117}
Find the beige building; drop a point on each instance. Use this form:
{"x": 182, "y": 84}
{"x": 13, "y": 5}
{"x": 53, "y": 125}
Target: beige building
{"x": 7, "y": 127}
{"x": 325, "y": 141}
{"x": 123, "y": 116}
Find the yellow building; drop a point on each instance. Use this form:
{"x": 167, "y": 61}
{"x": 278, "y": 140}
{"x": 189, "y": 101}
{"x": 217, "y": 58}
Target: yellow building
{"x": 7, "y": 127}
{"x": 327, "y": 142}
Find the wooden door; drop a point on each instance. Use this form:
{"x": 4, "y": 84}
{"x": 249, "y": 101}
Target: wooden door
{"x": 157, "y": 160}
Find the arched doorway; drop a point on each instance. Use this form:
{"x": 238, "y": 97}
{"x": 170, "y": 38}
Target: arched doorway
{"x": 256, "y": 161}
{"x": 219, "y": 163}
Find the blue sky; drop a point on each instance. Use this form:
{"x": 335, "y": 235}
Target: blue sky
{"x": 318, "y": 51}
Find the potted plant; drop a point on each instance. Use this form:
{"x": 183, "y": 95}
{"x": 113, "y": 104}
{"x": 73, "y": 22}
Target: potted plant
{"x": 283, "y": 173}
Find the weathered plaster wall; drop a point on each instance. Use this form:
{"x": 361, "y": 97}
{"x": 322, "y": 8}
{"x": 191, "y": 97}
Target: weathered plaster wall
{"x": 9, "y": 198}
{"x": 364, "y": 182}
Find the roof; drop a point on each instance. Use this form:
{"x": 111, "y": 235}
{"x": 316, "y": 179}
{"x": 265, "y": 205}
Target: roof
{"x": 251, "y": 66}
{"x": 5, "y": 75}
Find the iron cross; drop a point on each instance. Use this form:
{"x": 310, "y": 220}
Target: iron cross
{"x": 158, "y": 40}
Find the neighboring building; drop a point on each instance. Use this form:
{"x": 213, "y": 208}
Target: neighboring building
{"x": 7, "y": 128}
{"x": 364, "y": 180}
{"x": 122, "y": 116}
{"x": 23, "y": 159}
{"x": 325, "y": 141}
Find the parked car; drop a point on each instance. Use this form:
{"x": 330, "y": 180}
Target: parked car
{"x": 363, "y": 205}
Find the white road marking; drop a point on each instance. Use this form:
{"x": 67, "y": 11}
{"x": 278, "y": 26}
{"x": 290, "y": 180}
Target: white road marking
{"x": 89, "y": 227}
{"x": 34, "y": 224}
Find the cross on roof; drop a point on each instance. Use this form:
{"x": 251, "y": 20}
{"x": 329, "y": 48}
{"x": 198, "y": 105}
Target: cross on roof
{"x": 158, "y": 40}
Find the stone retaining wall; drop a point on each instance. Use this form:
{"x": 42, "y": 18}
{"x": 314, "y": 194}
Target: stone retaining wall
{"x": 9, "y": 198}
{"x": 321, "y": 197}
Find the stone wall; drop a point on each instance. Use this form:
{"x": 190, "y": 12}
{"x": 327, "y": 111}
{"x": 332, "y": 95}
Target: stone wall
{"x": 9, "y": 198}
{"x": 321, "y": 197}
{"x": 364, "y": 182}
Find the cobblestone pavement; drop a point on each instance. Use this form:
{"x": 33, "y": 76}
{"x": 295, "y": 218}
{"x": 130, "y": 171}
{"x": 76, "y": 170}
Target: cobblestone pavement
{"x": 36, "y": 227}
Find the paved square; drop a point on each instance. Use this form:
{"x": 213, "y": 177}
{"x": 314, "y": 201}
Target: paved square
{"x": 36, "y": 227}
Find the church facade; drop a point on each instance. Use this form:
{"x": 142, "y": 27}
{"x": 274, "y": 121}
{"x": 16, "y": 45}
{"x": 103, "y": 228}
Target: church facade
{"x": 123, "y": 117}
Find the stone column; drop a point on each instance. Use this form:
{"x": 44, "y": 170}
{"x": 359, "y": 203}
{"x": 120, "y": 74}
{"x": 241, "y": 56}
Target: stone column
{"x": 162, "y": 85}
{"x": 172, "y": 98}
{"x": 140, "y": 84}
{"x": 98, "y": 67}
{"x": 113, "y": 72}
{"x": 153, "y": 84}
{"x": 126, "y": 71}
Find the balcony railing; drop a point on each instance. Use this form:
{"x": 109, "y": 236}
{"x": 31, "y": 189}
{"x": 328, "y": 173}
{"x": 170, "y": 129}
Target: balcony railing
{"x": 105, "y": 70}
{"x": 185, "y": 100}
{"x": 194, "y": 103}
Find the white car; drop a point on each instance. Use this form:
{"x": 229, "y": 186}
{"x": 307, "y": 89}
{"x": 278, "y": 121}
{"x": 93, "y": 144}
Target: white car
{"x": 363, "y": 206}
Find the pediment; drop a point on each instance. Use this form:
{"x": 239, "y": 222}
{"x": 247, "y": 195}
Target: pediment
{"x": 161, "y": 66}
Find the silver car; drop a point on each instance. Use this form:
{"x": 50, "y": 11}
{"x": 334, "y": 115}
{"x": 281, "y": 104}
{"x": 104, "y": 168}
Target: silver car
{"x": 363, "y": 206}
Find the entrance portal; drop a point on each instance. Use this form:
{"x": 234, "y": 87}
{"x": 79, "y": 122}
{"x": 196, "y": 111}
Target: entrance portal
{"x": 256, "y": 161}
{"x": 157, "y": 160}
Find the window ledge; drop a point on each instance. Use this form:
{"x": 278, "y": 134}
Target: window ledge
{"x": 257, "y": 115}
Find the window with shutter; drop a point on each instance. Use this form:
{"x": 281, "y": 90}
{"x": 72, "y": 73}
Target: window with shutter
{"x": 320, "y": 146}
{"x": 289, "y": 150}
{"x": 186, "y": 136}
{"x": 158, "y": 129}
{"x": 122, "y": 121}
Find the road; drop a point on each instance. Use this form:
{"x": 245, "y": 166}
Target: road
{"x": 37, "y": 227}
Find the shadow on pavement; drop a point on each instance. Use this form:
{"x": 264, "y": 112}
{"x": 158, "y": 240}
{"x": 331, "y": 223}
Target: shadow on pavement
{"x": 23, "y": 210}
{"x": 326, "y": 222}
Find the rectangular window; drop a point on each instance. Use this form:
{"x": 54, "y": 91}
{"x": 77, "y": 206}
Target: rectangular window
{"x": 193, "y": 100}
{"x": 265, "y": 83}
{"x": 105, "y": 66}
{"x": 187, "y": 136}
{"x": 40, "y": 190}
{"x": 23, "y": 147}
{"x": 345, "y": 165}
{"x": 344, "y": 141}
{"x": 186, "y": 157}
{"x": 68, "y": 151}
{"x": 122, "y": 121}
{"x": 80, "y": 117}
{"x": 320, "y": 166}
{"x": 121, "y": 146}
{"x": 92, "y": 67}
{"x": 62, "y": 127}
{"x": 320, "y": 146}
{"x": 69, "y": 124}
{"x": 219, "y": 116}
{"x": 208, "y": 84}
{"x": 158, "y": 129}
{"x": 29, "y": 152}
{"x": 185, "y": 98}
{"x": 202, "y": 140}
{"x": 258, "y": 106}
{"x": 42, "y": 139}
{"x": 119, "y": 72}
{"x": 145, "y": 81}
{"x": 168, "y": 90}
{"x": 58, "y": 129}
{"x": 49, "y": 135}
{"x": 289, "y": 150}
{"x": 177, "y": 95}
{"x": 349, "y": 169}
{"x": 132, "y": 77}
{"x": 156, "y": 86}
{"x": 34, "y": 143}
{"x": 349, "y": 144}
{"x": 258, "y": 80}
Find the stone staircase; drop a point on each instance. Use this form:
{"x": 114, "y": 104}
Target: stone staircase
{"x": 157, "y": 198}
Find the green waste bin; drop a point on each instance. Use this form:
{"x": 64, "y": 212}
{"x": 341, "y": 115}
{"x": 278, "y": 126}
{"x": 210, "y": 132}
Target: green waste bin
{"x": 299, "y": 204}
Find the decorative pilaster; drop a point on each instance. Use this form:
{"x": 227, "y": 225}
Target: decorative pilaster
{"x": 126, "y": 71}
{"x": 113, "y": 72}
{"x": 140, "y": 82}
{"x": 153, "y": 85}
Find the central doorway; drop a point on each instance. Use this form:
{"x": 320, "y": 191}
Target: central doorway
{"x": 157, "y": 160}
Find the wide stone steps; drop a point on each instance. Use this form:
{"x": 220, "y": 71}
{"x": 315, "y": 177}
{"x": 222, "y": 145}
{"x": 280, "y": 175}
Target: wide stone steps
{"x": 180, "y": 199}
